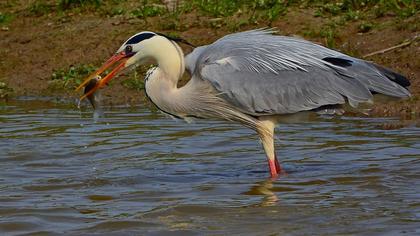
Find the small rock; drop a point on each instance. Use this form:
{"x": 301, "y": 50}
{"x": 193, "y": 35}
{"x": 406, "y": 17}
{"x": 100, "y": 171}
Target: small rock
{"x": 5, "y": 28}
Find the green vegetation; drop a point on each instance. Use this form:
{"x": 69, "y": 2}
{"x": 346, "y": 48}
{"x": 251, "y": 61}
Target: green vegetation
{"x": 365, "y": 27}
{"x": 228, "y": 12}
{"x": 271, "y": 9}
{"x": 377, "y": 8}
{"x": 148, "y": 10}
{"x": 39, "y": 8}
{"x": 328, "y": 32}
{"x": 71, "y": 77}
{"x": 5, "y": 18}
{"x": 223, "y": 8}
{"x": 136, "y": 81}
{"x": 67, "y": 4}
{"x": 268, "y": 10}
{"x": 43, "y": 7}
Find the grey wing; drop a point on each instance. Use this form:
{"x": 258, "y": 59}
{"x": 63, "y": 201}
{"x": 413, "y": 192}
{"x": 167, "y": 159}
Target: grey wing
{"x": 266, "y": 74}
{"x": 192, "y": 58}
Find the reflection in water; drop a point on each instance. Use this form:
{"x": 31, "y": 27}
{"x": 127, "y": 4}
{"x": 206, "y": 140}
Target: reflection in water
{"x": 264, "y": 188}
{"x": 135, "y": 172}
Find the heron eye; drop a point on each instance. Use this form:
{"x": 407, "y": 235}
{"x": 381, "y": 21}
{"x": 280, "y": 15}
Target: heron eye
{"x": 128, "y": 49}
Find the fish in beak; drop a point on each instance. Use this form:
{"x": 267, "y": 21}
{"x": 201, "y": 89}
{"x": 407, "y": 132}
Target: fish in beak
{"x": 94, "y": 81}
{"x": 93, "y": 97}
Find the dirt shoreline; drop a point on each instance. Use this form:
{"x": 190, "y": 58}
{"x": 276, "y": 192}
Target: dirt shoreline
{"x": 33, "y": 47}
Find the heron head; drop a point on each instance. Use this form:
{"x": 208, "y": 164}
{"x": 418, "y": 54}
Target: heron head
{"x": 131, "y": 52}
{"x": 136, "y": 50}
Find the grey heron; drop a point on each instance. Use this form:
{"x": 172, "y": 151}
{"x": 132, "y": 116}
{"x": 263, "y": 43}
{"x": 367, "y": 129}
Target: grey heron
{"x": 251, "y": 77}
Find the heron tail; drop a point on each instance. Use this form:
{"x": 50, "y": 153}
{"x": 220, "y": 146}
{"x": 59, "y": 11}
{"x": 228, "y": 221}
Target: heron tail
{"x": 393, "y": 76}
{"x": 376, "y": 78}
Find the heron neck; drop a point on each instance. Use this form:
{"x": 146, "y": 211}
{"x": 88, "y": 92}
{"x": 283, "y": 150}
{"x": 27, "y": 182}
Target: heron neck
{"x": 164, "y": 93}
{"x": 170, "y": 59}
{"x": 161, "y": 82}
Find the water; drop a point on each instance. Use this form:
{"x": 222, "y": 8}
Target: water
{"x": 135, "y": 172}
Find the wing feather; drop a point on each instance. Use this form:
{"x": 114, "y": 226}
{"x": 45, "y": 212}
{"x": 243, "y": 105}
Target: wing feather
{"x": 261, "y": 73}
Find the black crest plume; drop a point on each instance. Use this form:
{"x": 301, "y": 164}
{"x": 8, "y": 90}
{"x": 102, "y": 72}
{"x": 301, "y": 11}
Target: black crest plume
{"x": 176, "y": 39}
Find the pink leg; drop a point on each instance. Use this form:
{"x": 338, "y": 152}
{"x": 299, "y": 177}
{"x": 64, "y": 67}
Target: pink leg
{"x": 278, "y": 166}
{"x": 275, "y": 167}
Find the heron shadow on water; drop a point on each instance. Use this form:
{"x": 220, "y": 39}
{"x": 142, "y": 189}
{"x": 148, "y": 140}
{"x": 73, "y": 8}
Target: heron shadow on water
{"x": 251, "y": 78}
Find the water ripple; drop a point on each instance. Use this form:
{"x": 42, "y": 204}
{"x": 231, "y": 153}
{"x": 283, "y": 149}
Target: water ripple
{"x": 136, "y": 172}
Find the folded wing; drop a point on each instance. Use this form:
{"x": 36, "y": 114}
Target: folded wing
{"x": 261, "y": 73}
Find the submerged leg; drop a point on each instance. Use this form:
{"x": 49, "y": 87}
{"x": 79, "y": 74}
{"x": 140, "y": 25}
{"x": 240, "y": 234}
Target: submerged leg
{"x": 266, "y": 132}
{"x": 275, "y": 167}
{"x": 278, "y": 166}
{"x": 272, "y": 164}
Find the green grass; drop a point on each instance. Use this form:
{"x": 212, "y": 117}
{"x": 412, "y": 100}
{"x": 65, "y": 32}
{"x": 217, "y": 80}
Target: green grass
{"x": 43, "y": 7}
{"x": 147, "y": 9}
{"x": 272, "y": 9}
{"x": 40, "y": 8}
{"x": 113, "y": 11}
{"x": 5, "y": 18}
{"x": 72, "y": 76}
{"x": 370, "y": 8}
{"x": 230, "y": 14}
{"x": 329, "y": 33}
{"x": 136, "y": 81}
{"x": 365, "y": 27}
{"x": 267, "y": 9}
{"x": 233, "y": 14}
{"x": 67, "y": 4}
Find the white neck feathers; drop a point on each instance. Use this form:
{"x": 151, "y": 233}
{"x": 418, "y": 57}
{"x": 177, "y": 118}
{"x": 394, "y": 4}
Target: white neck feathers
{"x": 167, "y": 54}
